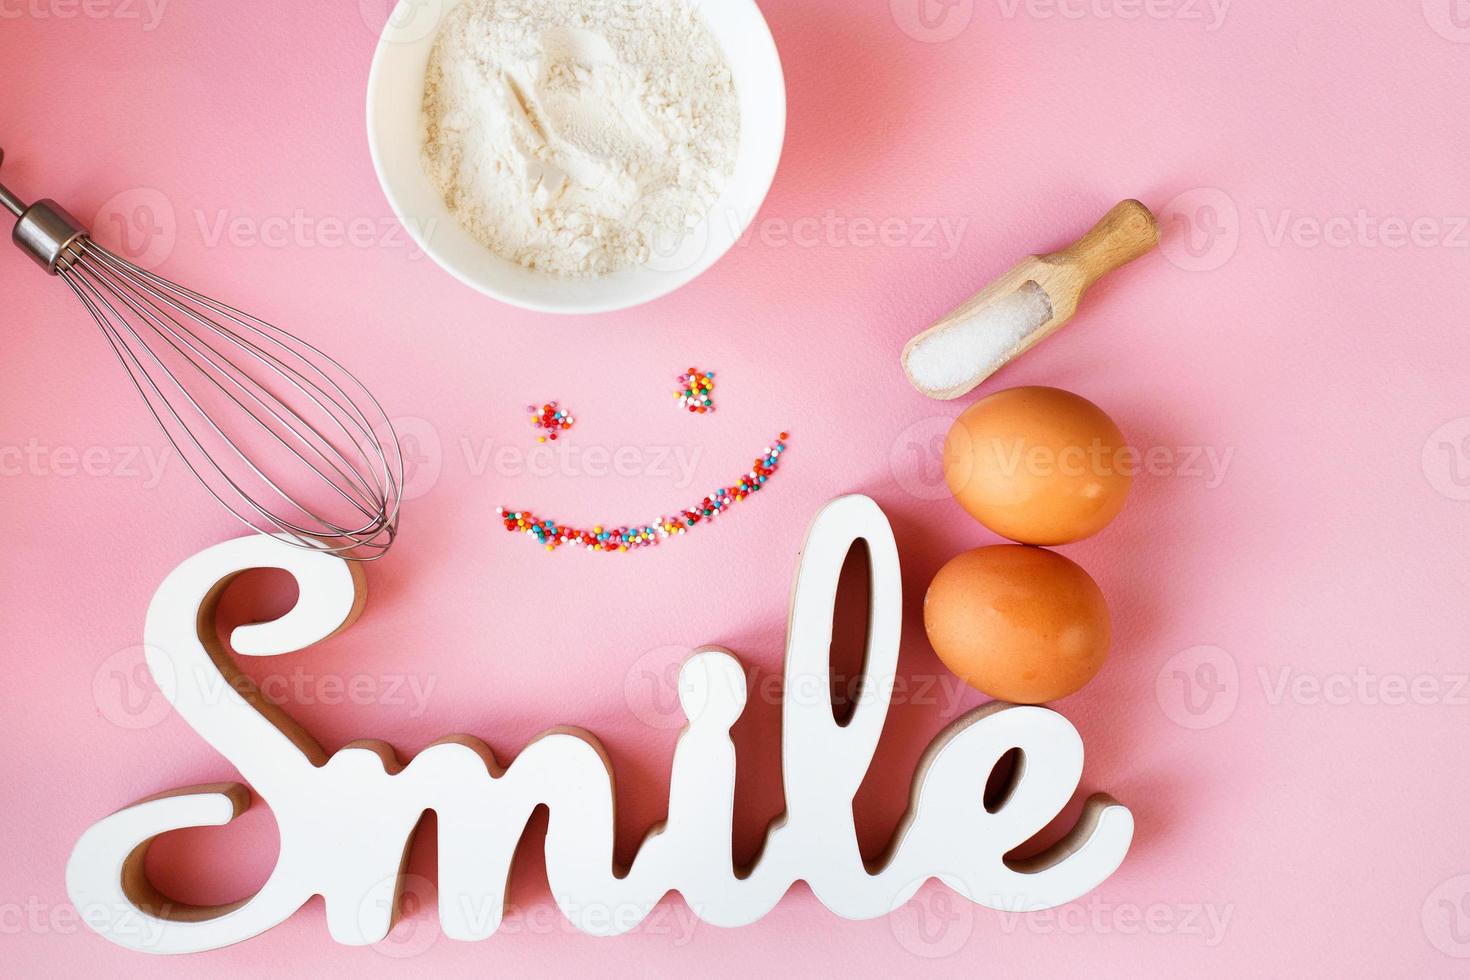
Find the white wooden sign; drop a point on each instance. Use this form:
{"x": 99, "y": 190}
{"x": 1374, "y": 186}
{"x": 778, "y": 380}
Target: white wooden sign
{"x": 346, "y": 821}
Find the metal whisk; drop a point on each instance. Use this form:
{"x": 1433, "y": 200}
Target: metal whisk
{"x": 279, "y": 433}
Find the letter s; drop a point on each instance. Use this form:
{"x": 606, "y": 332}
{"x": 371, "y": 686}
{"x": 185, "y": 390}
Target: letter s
{"x": 105, "y": 876}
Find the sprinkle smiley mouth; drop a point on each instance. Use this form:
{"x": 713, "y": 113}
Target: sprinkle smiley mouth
{"x": 553, "y": 535}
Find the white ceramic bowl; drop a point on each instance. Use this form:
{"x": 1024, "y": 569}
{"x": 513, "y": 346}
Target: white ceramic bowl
{"x": 396, "y": 129}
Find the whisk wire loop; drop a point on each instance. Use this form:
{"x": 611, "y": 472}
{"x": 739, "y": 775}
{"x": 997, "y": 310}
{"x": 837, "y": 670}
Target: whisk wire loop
{"x": 181, "y": 349}
{"x": 214, "y": 377}
{"x": 173, "y": 331}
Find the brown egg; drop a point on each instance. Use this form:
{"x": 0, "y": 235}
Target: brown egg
{"x": 1021, "y": 624}
{"x": 1039, "y": 465}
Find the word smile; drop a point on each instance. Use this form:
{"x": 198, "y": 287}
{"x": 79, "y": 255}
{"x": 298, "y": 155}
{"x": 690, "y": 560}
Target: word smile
{"x": 346, "y": 821}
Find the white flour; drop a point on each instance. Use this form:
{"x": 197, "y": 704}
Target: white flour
{"x": 575, "y": 136}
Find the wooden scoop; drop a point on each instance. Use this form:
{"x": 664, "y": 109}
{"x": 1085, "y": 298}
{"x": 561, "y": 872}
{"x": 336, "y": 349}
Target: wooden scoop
{"x": 1023, "y": 307}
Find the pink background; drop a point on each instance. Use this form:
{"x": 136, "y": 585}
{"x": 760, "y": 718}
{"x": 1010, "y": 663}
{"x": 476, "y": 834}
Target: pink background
{"x": 1298, "y": 785}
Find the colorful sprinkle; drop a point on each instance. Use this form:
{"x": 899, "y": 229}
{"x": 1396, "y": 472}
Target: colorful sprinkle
{"x": 696, "y": 391}
{"x": 552, "y": 535}
{"x": 551, "y": 419}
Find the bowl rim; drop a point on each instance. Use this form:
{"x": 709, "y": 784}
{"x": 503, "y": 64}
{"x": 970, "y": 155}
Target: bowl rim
{"x": 764, "y": 180}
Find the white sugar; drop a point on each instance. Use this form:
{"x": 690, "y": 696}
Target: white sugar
{"x": 982, "y": 344}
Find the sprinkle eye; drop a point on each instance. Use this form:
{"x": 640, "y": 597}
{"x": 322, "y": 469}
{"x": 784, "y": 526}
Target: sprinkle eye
{"x": 551, "y": 419}
{"x": 696, "y": 390}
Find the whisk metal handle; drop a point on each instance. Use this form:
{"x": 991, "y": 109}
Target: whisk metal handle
{"x": 47, "y": 234}
{"x": 12, "y": 203}
{"x": 43, "y": 230}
